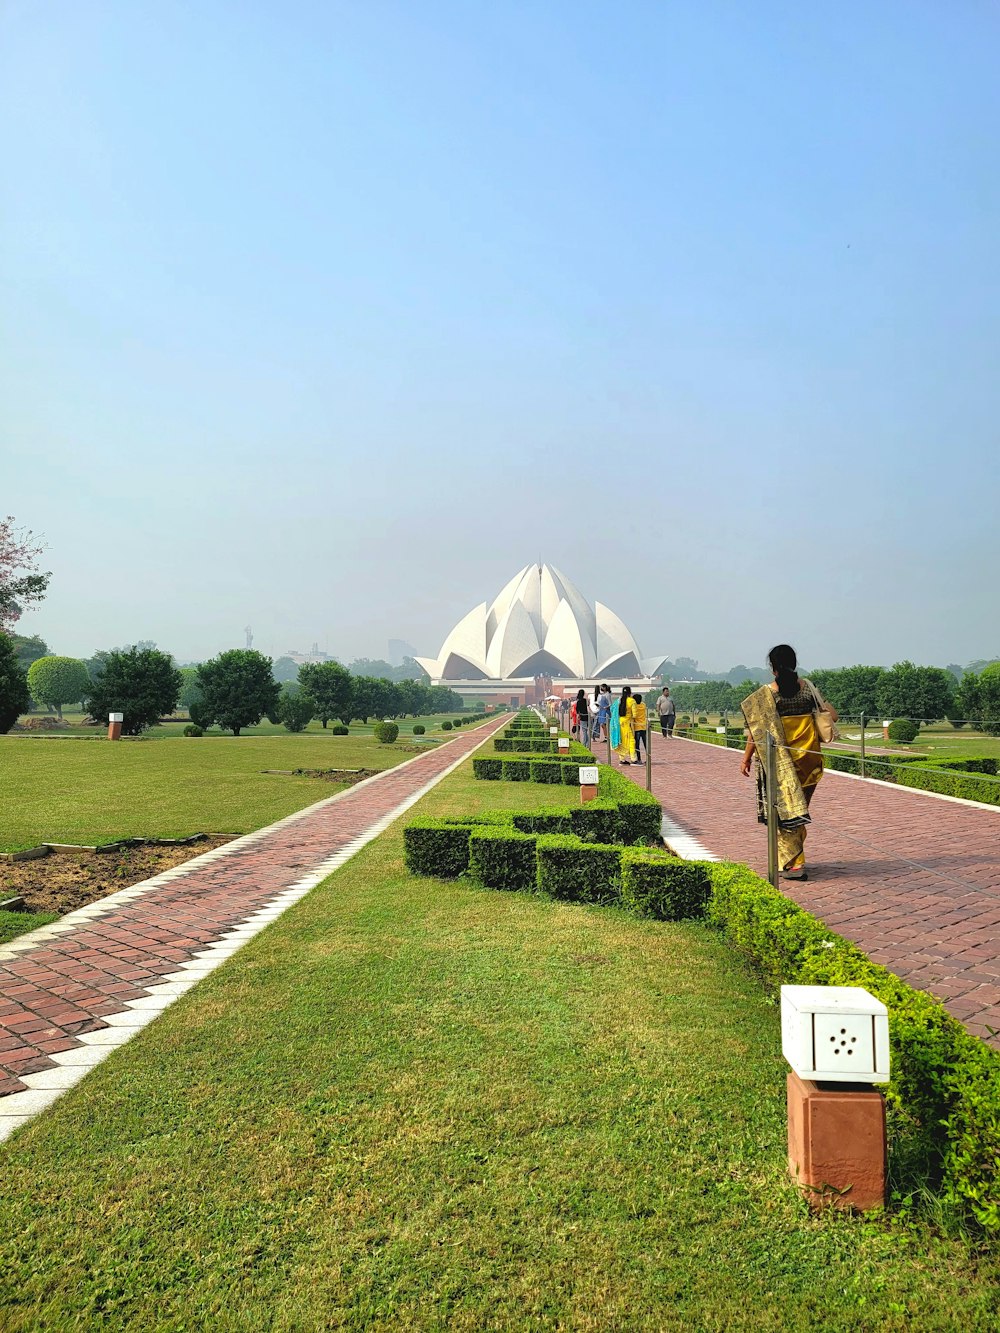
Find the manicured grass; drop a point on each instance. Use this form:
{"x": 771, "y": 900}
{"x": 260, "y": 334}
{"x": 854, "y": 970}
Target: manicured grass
{"x": 86, "y": 792}
{"x": 13, "y": 924}
{"x": 167, "y": 730}
{"x": 412, "y": 1103}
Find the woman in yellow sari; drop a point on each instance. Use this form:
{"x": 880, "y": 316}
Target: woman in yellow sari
{"x": 626, "y": 725}
{"x": 785, "y": 711}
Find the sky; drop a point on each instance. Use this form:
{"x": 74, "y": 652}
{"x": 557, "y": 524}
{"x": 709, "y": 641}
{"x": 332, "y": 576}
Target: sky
{"x": 327, "y": 318}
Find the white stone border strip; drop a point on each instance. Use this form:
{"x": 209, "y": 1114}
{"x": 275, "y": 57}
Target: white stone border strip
{"x": 42, "y": 934}
{"x": 685, "y": 844}
{"x": 48, "y": 1085}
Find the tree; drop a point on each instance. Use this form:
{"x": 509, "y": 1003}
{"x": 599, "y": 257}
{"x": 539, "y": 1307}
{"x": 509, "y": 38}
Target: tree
{"x": 979, "y": 698}
{"x": 296, "y": 709}
{"x": 364, "y": 697}
{"x": 141, "y": 683}
{"x": 190, "y": 689}
{"x": 15, "y": 698}
{"x": 284, "y": 670}
{"x": 58, "y": 680}
{"x": 237, "y": 690}
{"x": 852, "y": 690}
{"x": 918, "y": 693}
{"x": 329, "y": 685}
{"x": 28, "y": 650}
{"x": 21, "y": 582}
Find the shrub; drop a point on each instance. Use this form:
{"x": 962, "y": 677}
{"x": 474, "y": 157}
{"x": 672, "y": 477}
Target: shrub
{"x": 502, "y": 858}
{"x": 658, "y": 885}
{"x": 488, "y": 769}
{"x": 946, "y": 1081}
{"x": 385, "y": 732}
{"x": 702, "y": 721}
{"x": 436, "y": 847}
{"x": 192, "y": 730}
{"x": 340, "y": 730}
{"x": 578, "y": 871}
{"x": 515, "y": 770}
{"x": 902, "y": 731}
{"x": 547, "y": 770}
{"x": 419, "y": 729}
{"x": 446, "y": 726}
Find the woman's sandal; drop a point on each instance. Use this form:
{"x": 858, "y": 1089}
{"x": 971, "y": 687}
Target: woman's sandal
{"x": 795, "y": 874}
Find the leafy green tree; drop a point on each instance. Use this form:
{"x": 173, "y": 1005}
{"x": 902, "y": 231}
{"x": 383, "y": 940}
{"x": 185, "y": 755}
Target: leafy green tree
{"x": 284, "y": 670}
{"x": 968, "y": 703}
{"x": 190, "y": 689}
{"x": 915, "y": 692}
{"x": 28, "y": 650}
{"x": 979, "y": 698}
{"x": 364, "y": 698}
{"x": 852, "y": 690}
{"x": 237, "y": 690}
{"x": 296, "y": 709}
{"x": 329, "y": 686}
{"x": 141, "y": 683}
{"x": 58, "y": 680}
{"x": 15, "y": 698}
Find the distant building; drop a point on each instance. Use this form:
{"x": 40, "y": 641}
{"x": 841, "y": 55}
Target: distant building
{"x": 539, "y": 636}
{"x": 314, "y": 655}
{"x": 398, "y": 649}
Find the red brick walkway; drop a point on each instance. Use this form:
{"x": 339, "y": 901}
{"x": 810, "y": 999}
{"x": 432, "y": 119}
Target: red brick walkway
{"x": 913, "y": 880}
{"x": 67, "y": 985}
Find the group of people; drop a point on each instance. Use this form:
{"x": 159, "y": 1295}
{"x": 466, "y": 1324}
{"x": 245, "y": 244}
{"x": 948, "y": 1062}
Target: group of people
{"x": 785, "y": 709}
{"x": 622, "y": 721}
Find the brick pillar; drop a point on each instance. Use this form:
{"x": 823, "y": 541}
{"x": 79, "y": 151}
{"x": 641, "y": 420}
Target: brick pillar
{"x": 836, "y": 1143}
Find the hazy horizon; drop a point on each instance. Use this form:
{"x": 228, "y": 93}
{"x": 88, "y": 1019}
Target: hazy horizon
{"x": 327, "y": 320}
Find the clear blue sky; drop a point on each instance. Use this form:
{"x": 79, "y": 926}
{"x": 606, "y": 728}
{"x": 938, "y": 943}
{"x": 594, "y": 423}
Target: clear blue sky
{"x": 328, "y": 317}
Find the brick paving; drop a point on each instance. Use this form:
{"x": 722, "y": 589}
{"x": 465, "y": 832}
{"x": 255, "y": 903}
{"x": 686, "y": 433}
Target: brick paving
{"x": 911, "y": 879}
{"x": 67, "y": 985}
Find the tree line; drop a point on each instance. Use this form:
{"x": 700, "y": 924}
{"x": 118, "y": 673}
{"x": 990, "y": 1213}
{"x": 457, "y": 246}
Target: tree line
{"x": 918, "y": 693}
{"x": 234, "y": 690}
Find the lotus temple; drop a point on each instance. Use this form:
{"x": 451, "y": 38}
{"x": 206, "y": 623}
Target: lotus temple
{"x": 539, "y": 636}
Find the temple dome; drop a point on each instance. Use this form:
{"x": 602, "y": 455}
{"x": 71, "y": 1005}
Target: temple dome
{"x": 539, "y": 624}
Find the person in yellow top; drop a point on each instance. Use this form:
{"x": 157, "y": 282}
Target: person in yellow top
{"x": 626, "y": 726}
{"x": 639, "y": 725}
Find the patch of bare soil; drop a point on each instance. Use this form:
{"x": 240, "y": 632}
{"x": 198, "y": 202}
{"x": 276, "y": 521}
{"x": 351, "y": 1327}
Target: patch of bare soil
{"x": 63, "y": 881}
{"x": 344, "y": 776}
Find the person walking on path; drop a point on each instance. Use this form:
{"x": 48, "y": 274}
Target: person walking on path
{"x": 582, "y": 718}
{"x": 604, "y": 710}
{"x": 784, "y": 710}
{"x": 640, "y": 723}
{"x": 625, "y": 713}
{"x": 667, "y": 710}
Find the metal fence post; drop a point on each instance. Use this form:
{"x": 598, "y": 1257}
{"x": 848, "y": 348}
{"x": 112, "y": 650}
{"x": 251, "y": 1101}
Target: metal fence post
{"x": 862, "y": 743}
{"x": 771, "y": 807}
{"x": 607, "y": 732}
{"x": 649, "y": 753}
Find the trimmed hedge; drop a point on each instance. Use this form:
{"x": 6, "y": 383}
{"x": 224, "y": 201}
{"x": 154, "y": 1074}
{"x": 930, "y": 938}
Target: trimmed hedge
{"x": 340, "y": 730}
{"x": 661, "y": 886}
{"x": 502, "y": 858}
{"x": 946, "y": 1081}
{"x": 436, "y": 847}
{"x": 515, "y": 769}
{"x": 544, "y": 770}
{"x": 968, "y": 779}
{"x": 385, "y": 732}
{"x": 488, "y": 769}
{"x": 576, "y": 871}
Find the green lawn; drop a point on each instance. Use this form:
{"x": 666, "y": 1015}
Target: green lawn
{"x": 76, "y": 791}
{"x": 419, "y": 1104}
{"x": 75, "y": 718}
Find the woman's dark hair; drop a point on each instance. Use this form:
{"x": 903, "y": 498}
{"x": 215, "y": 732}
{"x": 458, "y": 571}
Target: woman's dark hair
{"x": 783, "y": 663}
{"x": 638, "y": 698}
{"x": 581, "y": 694}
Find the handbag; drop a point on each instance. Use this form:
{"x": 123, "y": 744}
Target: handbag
{"x": 822, "y": 718}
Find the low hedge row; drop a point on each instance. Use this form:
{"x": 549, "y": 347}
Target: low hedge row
{"x": 554, "y": 769}
{"x": 734, "y": 738}
{"x": 647, "y": 881}
{"x": 968, "y": 779}
{"x": 945, "y": 1081}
